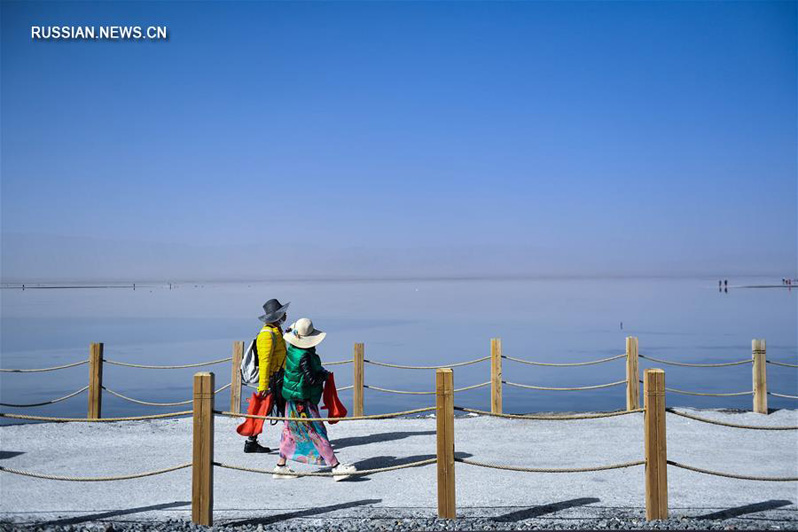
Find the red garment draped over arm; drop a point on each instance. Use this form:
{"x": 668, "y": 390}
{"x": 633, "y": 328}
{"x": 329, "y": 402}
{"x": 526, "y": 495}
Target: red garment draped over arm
{"x": 331, "y": 402}
{"x": 257, "y": 407}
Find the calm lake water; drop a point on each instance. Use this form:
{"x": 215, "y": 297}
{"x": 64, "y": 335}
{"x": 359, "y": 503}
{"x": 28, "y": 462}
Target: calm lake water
{"x": 407, "y": 322}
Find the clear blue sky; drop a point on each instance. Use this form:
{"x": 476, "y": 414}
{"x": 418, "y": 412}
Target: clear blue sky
{"x": 401, "y": 138}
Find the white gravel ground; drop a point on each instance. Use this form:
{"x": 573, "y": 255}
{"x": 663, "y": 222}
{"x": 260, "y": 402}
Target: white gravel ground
{"x": 120, "y": 448}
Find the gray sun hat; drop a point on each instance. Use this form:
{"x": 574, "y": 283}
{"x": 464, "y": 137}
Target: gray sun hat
{"x": 274, "y": 311}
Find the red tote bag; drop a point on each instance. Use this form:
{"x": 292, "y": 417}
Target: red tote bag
{"x": 331, "y": 402}
{"x": 257, "y": 407}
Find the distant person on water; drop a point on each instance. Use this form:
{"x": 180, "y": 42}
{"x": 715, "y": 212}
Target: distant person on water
{"x": 271, "y": 356}
{"x": 305, "y": 441}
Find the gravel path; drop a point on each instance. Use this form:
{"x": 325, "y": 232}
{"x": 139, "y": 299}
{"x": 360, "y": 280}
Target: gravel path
{"x": 405, "y": 500}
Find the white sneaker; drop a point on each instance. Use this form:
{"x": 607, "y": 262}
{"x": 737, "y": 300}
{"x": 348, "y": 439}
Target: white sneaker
{"x": 342, "y": 471}
{"x": 283, "y": 472}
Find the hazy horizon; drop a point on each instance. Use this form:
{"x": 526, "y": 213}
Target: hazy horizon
{"x": 110, "y": 261}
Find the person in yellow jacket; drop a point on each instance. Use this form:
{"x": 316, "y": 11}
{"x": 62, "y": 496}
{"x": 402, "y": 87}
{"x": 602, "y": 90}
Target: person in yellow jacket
{"x": 271, "y": 356}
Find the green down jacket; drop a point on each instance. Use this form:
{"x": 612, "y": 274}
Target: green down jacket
{"x": 304, "y": 375}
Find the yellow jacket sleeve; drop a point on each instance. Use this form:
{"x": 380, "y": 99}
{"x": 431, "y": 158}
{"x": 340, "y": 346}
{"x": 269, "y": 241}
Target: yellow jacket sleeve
{"x": 265, "y": 343}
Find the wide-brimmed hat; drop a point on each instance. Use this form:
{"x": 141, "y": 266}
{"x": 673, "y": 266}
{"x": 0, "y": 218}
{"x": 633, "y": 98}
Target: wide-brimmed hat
{"x": 303, "y": 334}
{"x": 274, "y": 311}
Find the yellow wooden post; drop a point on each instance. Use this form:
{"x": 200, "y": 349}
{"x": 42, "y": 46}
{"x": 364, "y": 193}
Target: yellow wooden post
{"x": 444, "y": 417}
{"x": 760, "y": 376}
{"x": 656, "y": 448}
{"x": 235, "y": 377}
{"x": 632, "y": 374}
{"x": 202, "y": 465}
{"x": 496, "y": 375}
{"x": 357, "y": 380}
{"x": 95, "y": 381}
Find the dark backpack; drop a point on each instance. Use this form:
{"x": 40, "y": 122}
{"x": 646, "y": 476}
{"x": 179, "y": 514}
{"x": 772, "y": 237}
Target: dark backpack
{"x": 276, "y": 390}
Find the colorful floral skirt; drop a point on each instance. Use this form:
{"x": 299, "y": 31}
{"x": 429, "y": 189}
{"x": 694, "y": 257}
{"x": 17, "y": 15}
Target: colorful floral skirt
{"x": 305, "y": 441}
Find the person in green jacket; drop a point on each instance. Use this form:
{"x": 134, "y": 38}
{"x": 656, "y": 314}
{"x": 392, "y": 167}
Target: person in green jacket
{"x": 303, "y": 384}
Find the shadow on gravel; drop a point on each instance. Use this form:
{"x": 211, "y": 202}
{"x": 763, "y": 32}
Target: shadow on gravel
{"x": 377, "y": 438}
{"x": 310, "y": 512}
{"x": 747, "y": 509}
{"x": 537, "y": 511}
{"x": 12, "y": 454}
{"x": 115, "y": 513}
{"x": 376, "y": 462}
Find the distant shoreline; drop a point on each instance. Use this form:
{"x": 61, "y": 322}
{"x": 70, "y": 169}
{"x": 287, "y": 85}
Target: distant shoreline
{"x": 127, "y": 283}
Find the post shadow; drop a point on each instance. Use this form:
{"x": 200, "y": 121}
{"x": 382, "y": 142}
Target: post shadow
{"x": 302, "y": 513}
{"x": 376, "y": 462}
{"x": 114, "y": 513}
{"x": 747, "y": 509}
{"x": 537, "y": 511}
{"x": 10, "y": 454}
{"x": 377, "y": 438}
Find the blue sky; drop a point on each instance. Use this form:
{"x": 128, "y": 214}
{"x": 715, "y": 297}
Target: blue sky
{"x": 401, "y": 138}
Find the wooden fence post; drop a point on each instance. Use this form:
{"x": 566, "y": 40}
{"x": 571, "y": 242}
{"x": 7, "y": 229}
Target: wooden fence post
{"x": 496, "y": 375}
{"x": 357, "y": 380}
{"x": 95, "y": 381}
{"x": 632, "y": 374}
{"x": 202, "y": 465}
{"x": 760, "y": 376}
{"x": 444, "y": 418}
{"x": 235, "y": 378}
{"x": 656, "y": 448}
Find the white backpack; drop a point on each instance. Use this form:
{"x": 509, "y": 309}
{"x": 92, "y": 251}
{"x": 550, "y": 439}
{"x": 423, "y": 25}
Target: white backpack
{"x": 250, "y": 372}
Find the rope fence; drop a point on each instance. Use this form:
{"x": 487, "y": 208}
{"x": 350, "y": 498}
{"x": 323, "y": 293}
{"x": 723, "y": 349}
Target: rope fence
{"x": 50, "y": 402}
{"x": 776, "y": 363}
{"x": 549, "y": 418}
{"x": 574, "y": 389}
{"x": 95, "y": 479}
{"x": 730, "y": 475}
{"x": 724, "y": 424}
{"x": 203, "y": 434}
{"x": 405, "y": 392}
{"x": 96, "y": 361}
{"x": 54, "y": 368}
{"x": 144, "y": 366}
{"x": 400, "y": 366}
{"x": 783, "y": 395}
{"x": 334, "y": 419}
{"x": 689, "y": 365}
{"x": 731, "y": 394}
{"x": 563, "y": 364}
{"x": 549, "y": 469}
{"x": 148, "y": 403}
{"x": 330, "y": 473}
{"x": 97, "y": 420}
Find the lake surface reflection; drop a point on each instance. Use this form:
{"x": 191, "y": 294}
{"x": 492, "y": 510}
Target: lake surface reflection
{"x": 407, "y": 322}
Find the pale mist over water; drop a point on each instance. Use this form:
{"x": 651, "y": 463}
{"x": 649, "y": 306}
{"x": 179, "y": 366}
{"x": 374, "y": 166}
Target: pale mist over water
{"x": 407, "y": 322}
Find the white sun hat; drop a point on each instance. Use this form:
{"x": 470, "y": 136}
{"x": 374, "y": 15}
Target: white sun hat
{"x": 303, "y": 334}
